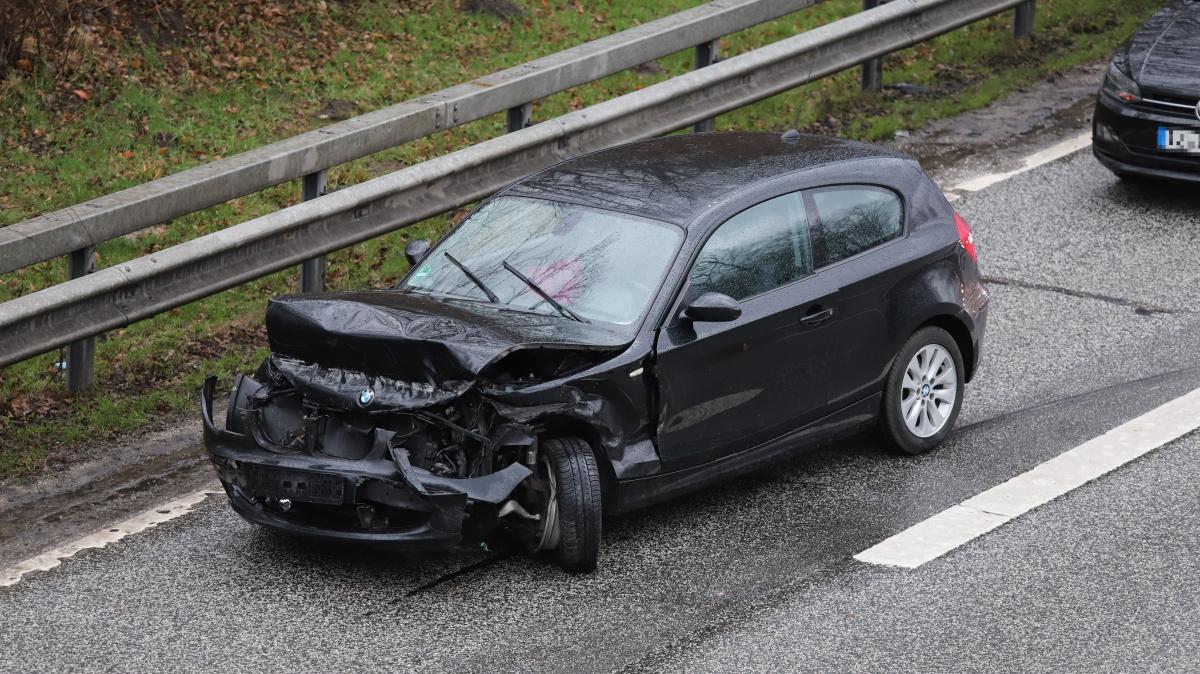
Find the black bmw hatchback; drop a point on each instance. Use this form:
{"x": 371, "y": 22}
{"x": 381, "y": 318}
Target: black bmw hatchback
{"x": 607, "y": 333}
{"x": 1147, "y": 120}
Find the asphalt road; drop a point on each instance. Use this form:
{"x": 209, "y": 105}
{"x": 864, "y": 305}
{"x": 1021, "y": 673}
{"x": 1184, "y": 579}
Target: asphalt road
{"x": 1093, "y": 323}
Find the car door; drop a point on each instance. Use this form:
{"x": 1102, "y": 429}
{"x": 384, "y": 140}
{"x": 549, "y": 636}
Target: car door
{"x": 852, "y": 229}
{"x": 728, "y": 386}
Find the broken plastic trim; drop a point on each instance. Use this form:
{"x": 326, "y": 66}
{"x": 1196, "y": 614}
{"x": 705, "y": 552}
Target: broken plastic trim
{"x": 233, "y": 448}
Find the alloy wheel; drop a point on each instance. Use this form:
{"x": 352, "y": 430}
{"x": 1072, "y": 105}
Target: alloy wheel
{"x": 929, "y": 391}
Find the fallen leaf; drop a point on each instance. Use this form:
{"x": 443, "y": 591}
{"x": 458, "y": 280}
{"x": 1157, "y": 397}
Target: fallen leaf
{"x": 82, "y": 93}
{"x": 126, "y": 154}
{"x": 18, "y": 406}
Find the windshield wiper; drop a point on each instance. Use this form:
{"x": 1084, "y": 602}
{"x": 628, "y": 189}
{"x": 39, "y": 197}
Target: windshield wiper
{"x": 495, "y": 299}
{"x": 545, "y": 295}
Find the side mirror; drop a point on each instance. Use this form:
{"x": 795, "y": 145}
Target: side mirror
{"x": 713, "y": 308}
{"x": 416, "y": 251}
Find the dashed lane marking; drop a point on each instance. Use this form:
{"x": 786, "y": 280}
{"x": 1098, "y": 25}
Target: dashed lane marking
{"x": 951, "y": 528}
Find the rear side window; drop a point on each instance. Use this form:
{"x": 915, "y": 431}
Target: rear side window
{"x": 759, "y": 249}
{"x": 853, "y": 219}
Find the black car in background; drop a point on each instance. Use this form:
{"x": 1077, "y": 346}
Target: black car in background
{"x": 1147, "y": 120}
{"x": 607, "y": 333}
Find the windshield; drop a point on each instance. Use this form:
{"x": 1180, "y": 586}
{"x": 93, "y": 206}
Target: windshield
{"x": 597, "y": 264}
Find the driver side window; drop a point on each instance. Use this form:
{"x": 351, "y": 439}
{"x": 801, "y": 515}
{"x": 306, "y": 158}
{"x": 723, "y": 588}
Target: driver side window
{"x": 760, "y": 249}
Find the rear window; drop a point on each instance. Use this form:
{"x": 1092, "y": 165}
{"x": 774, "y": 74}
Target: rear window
{"x": 854, "y": 218}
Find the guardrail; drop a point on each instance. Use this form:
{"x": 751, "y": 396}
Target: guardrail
{"x": 116, "y": 296}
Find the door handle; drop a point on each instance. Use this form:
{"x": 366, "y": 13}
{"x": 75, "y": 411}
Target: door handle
{"x": 814, "y": 317}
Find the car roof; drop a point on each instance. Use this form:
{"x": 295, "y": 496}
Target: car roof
{"x": 675, "y": 178}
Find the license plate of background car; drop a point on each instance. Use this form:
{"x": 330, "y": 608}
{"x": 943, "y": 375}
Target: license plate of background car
{"x": 296, "y": 485}
{"x": 1178, "y": 140}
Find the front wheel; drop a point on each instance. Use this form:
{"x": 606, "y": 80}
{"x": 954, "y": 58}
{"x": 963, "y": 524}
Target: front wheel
{"x": 573, "y": 515}
{"x": 923, "y": 393}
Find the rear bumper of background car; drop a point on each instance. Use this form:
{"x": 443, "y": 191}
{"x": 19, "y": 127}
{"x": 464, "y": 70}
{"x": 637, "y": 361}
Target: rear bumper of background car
{"x": 1124, "y": 139}
{"x": 379, "y": 502}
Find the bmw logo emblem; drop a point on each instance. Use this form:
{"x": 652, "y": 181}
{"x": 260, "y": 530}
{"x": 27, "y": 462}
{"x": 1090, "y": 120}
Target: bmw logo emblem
{"x": 365, "y": 397}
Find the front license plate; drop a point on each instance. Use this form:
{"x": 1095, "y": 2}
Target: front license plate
{"x": 296, "y": 485}
{"x": 1178, "y": 140}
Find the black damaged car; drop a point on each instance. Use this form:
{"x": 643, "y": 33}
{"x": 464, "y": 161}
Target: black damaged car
{"x": 1147, "y": 120}
{"x": 607, "y": 333}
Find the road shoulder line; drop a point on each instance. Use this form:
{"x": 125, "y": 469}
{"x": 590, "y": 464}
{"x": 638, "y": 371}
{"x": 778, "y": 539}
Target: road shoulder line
{"x": 1040, "y": 158}
{"x": 931, "y": 538}
{"x": 102, "y": 537}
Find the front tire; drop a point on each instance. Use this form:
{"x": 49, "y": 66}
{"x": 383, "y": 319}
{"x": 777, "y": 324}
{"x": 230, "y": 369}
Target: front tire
{"x": 575, "y": 480}
{"x": 923, "y": 393}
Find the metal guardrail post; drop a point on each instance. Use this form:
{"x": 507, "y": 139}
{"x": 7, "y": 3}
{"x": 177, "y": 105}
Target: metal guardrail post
{"x": 520, "y": 117}
{"x": 706, "y": 55}
{"x": 872, "y": 70}
{"x": 1023, "y": 19}
{"x": 312, "y": 272}
{"x": 81, "y": 354}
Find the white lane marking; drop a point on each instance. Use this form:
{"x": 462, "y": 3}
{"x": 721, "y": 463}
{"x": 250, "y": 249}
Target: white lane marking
{"x": 1056, "y": 151}
{"x": 983, "y": 512}
{"x": 110, "y": 534}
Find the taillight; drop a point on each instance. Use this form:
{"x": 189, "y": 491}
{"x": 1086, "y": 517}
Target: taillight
{"x": 965, "y": 238}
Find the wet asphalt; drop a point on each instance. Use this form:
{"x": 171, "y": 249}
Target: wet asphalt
{"x": 1092, "y": 323}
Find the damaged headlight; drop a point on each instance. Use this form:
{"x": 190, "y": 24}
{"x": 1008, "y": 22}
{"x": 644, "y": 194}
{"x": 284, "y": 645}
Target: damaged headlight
{"x": 239, "y": 404}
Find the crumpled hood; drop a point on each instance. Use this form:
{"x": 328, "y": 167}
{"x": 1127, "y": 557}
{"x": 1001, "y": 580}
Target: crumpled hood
{"x": 342, "y": 389}
{"x": 1164, "y": 54}
{"x": 415, "y": 338}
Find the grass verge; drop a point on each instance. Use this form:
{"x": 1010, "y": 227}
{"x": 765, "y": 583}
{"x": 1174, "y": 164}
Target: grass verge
{"x": 154, "y": 93}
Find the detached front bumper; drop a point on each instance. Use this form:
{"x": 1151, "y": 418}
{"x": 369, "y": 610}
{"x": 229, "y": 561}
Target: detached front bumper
{"x": 376, "y": 501}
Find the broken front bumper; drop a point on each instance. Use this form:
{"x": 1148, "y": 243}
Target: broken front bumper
{"x": 384, "y": 502}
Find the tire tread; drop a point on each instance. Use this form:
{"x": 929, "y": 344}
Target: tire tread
{"x": 579, "y": 504}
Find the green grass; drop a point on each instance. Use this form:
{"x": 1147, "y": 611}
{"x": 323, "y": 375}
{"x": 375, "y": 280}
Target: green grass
{"x": 264, "y": 81}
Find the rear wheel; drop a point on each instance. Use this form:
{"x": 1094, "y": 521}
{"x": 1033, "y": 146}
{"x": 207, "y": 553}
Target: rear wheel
{"x": 923, "y": 393}
{"x": 572, "y": 520}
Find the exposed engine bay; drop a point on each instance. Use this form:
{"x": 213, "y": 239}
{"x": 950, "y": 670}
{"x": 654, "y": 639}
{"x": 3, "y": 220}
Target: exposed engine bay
{"x": 458, "y": 463}
{"x": 301, "y": 407}
{"x": 373, "y": 420}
